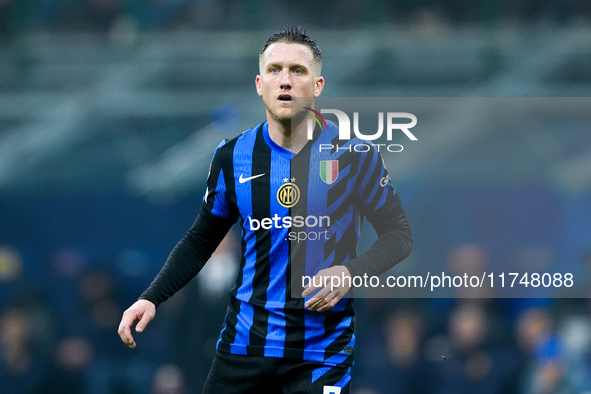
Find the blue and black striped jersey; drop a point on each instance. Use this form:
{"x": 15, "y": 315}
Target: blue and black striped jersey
{"x": 299, "y": 213}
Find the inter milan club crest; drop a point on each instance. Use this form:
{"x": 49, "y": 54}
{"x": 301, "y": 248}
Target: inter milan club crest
{"x": 288, "y": 194}
{"x": 329, "y": 171}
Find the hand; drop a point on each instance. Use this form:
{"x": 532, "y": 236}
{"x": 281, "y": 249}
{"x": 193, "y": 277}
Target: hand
{"x": 337, "y": 280}
{"x": 141, "y": 312}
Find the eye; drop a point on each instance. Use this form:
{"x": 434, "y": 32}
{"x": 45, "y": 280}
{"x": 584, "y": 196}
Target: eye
{"x": 273, "y": 70}
{"x": 298, "y": 71}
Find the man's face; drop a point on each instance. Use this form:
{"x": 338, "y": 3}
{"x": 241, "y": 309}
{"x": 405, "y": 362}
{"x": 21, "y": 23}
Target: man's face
{"x": 287, "y": 71}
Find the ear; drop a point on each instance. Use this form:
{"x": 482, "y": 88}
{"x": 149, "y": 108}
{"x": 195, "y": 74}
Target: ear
{"x": 257, "y": 82}
{"x": 319, "y": 85}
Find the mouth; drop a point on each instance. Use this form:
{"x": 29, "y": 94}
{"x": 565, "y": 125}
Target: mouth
{"x": 284, "y": 97}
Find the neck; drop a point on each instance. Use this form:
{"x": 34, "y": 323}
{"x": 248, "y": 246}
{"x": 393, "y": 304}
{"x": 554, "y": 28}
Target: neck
{"x": 288, "y": 136}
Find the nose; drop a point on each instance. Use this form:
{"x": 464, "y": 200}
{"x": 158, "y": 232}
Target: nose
{"x": 285, "y": 81}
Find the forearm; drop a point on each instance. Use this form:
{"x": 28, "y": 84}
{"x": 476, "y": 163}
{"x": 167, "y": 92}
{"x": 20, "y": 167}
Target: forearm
{"x": 188, "y": 257}
{"x": 393, "y": 245}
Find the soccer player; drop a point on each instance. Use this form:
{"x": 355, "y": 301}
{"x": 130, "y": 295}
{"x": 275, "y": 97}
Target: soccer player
{"x": 300, "y": 211}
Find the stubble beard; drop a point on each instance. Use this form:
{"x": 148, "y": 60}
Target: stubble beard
{"x": 286, "y": 120}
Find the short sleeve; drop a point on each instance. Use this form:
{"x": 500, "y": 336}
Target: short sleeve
{"x": 374, "y": 184}
{"x": 216, "y": 199}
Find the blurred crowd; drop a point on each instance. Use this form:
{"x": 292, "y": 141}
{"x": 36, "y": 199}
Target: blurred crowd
{"x": 476, "y": 346}
{"x": 58, "y": 334}
{"x": 58, "y": 327}
{"x": 107, "y": 15}
{"x": 60, "y": 305}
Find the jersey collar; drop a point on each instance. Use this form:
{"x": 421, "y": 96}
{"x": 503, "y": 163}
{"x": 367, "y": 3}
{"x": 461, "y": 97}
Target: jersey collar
{"x": 281, "y": 150}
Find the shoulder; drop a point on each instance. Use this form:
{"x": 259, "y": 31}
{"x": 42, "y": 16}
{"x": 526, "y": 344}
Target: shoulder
{"x": 353, "y": 146}
{"x": 227, "y": 145}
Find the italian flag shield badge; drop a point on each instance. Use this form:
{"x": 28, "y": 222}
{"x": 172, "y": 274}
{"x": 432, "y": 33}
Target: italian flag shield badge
{"x": 329, "y": 171}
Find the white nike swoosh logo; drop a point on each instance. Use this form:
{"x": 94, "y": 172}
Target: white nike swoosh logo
{"x": 242, "y": 179}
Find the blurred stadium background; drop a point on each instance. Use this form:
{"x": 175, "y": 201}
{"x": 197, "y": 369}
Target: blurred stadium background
{"x": 109, "y": 113}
